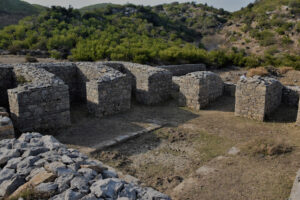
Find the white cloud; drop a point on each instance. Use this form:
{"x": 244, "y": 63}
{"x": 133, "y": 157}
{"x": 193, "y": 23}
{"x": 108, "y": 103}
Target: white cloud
{"x": 230, "y": 5}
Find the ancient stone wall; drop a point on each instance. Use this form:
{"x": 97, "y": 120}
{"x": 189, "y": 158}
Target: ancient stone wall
{"x": 151, "y": 85}
{"x": 198, "y": 89}
{"x": 40, "y": 101}
{"x": 298, "y": 118}
{"x": 67, "y": 72}
{"x": 107, "y": 90}
{"x": 180, "y": 70}
{"x": 290, "y": 95}
{"x": 257, "y": 97}
{"x": 6, "y": 82}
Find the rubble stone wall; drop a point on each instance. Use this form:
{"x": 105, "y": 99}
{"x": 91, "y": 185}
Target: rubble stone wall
{"x": 40, "y": 102}
{"x": 257, "y": 97}
{"x": 180, "y": 70}
{"x": 198, "y": 89}
{"x": 107, "y": 90}
{"x": 6, "y": 82}
{"x": 151, "y": 85}
{"x": 229, "y": 89}
{"x": 6, "y": 125}
{"x": 67, "y": 72}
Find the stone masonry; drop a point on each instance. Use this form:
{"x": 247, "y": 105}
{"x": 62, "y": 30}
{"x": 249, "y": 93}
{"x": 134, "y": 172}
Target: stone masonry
{"x": 180, "y": 70}
{"x": 198, "y": 89}
{"x": 107, "y": 90}
{"x": 257, "y": 97}
{"x": 40, "y": 101}
{"x": 6, "y": 125}
{"x": 290, "y": 95}
{"x": 151, "y": 85}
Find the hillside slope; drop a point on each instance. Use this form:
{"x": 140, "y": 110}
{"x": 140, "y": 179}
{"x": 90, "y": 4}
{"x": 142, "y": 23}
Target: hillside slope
{"x": 266, "y": 28}
{"x": 95, "y": 7}
{"x": 11, "y": 11}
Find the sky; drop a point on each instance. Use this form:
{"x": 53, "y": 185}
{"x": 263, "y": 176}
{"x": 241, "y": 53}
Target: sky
{"x": 230, "y": 5}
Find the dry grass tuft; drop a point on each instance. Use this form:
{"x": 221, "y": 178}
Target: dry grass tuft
{"x": 284, "y": 70}
{"x": 266, "y": 147}
{"x": 259, "y": 71}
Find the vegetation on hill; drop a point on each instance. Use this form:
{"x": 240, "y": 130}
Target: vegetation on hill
{"x": 95, "y": 7}
{"x": 164, "y": 34}
{"x": 11, "y": 11}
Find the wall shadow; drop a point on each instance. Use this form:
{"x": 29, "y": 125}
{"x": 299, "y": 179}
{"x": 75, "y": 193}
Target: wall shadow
{"x": 283, "y": 114}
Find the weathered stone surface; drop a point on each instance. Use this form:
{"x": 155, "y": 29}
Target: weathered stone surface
{"x": 151, "y": 85}
{"x": 257, "y": 97}
{"x": 290, "y": 95}
{"x": 60, "y": 172}
{"x": 40, "y": 101}
{"x": 180, "y": 70}
{"x": 196, "y": 90}
{"x": 298, "y": 118}
{"x": 229, "y": 89}
{"x": 295, "y": 193}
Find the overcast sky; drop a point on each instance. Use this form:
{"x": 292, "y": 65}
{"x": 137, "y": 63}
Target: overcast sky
{"x": 230, "y": 5}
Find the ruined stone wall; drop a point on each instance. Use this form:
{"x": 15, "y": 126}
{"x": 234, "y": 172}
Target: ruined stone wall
{"x": 257, "y": 97}
{"x": 41, "y": 100}
{"x": 229, "y": 89}
{"x": 67, "y": 72}
{"x": 290, "y": 95}
{"x": 151, "y": 85}
{"x": 198, "y": 89}
{"x": 107, "y": 90}
{"x": 6, "y": 125}
{"x": 180, "y": 70}
{"x": 6, "y": 82}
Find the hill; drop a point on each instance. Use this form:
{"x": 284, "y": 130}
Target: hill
{"x": 11, "y": 11}
{"x": 268, "y": 28}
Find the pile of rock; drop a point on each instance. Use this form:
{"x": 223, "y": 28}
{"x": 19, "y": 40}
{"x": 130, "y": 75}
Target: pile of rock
{"x": 47, "y": 166}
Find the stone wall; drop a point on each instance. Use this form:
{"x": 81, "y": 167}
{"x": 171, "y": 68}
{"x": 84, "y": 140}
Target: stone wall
{"x": 198, "y": 89}
{"x": 67, "y": 72}
{"x": 107, "y": 90}
{"x": 151, "y": 85}
{"x": 290, "y": 95}
{"x": 180, "y": 70}
{"x": 40, "y": 101}
{"x": 257, "y": 97}
{"x": 6, "y": 82}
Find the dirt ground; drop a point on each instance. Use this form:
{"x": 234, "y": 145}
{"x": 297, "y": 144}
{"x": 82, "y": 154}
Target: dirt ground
{"x": 188, "y": 158}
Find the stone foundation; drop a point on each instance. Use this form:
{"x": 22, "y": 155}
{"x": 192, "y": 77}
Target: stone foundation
{"x": 151, "y": 85}
{"x": 41, "y": 100}
{"x": 180, "y": 70}
{"x": 107, "y": 90}
{"x": 198, "y": 89}
{"x": 257, "y": 97}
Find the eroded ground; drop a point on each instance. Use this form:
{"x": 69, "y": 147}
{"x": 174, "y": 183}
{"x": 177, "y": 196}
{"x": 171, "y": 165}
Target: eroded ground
{"x": 188, "y": 158}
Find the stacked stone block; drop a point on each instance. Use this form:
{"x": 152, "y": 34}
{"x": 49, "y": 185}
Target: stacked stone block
{"x": 151, "y": 85}
{"x": 41, "y": 100}
{"x": 107, "y": 90}
{"x": 67, "y": 72}
{"x": 257, "y": 97}
{"x": 198, "y": 89}
{"x": 180, "y": 70}
{"x": 6, "y": 82}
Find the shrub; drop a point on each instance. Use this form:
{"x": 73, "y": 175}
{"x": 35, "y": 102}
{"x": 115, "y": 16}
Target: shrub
{"x": 31, "y": 59}
{"x": 259, "y": 71}
{"x": 286, "y": 40}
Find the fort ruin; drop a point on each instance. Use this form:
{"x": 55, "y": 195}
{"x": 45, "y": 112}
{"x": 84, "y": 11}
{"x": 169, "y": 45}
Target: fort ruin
{"x": 38, "y": 96}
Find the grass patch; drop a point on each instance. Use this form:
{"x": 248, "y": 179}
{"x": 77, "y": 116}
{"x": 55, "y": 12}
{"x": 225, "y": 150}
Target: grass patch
{"x": 21, "y": 80}
{"x": 259, "y": 71}
{"x": 266, "y": 147}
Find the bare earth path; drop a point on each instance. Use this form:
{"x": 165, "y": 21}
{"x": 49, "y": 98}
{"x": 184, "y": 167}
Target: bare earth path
{"x": 188, "y": 158}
